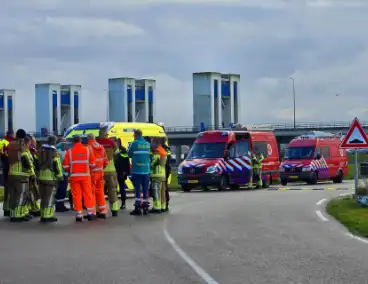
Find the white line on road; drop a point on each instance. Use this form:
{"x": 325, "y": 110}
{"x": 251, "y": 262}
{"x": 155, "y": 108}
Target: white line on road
{"x": 357, "y": 238}
{"x": 203, "y": 274}
{"x": 199, "y": 270}
{"x": 320, "y": 215}
{"x": 321, "y": 201}
{"x": 345, "y": 194}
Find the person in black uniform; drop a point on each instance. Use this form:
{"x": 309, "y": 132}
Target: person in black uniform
{"x": 168, "y": 172}
{"x": 122, "y": 165}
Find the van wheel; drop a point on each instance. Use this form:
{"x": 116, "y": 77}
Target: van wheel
{"x": 234, "y": 186}
{"x": 284, "y": 182}
{"x": 339, "y": 177}
{"x": 205, "y": 188}
{"x": 313, "y": 179}
{"x": 224, "y": 183}
{"x": 185, "y": 188}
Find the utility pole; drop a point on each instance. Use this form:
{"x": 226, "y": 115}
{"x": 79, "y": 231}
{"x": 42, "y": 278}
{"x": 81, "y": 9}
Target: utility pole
{"x": 294, "y": 100}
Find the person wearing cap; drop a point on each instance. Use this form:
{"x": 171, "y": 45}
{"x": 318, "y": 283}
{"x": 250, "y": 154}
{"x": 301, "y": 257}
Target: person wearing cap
{"x": 20, "y": 170}
{"x": 122, "y": 165}
{"x": 5, "y": 161}
{"x": 139, "y": 151}
{"x": 110, "y": 176}
{"x": 33, "y": 193}
{"x": 50, "y": 174}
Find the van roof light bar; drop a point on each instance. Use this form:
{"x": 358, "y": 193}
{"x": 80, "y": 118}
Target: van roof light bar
{"x": 318, "y": 134}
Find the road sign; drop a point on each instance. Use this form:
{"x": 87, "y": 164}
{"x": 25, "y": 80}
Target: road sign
{"x": 356, "y": 138}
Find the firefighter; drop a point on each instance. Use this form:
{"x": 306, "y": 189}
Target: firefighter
{"x": 20, "y": 169}
{"x": 110, "y": 177}
{"x": 50, "y": 174}
{"x": 256, "y": 170}
{"x": 97, "y": 176}
{"x": 33, "y": 193}
{"x": 167, "y": 172}
{"x": 63, "y": 184}
{"x": 5, "y": 162}
{"x": 122, "y": 165}
{"x": 158, "y": 177}
{"x": 78, "y": 162}
{"x": 139, "y": 152}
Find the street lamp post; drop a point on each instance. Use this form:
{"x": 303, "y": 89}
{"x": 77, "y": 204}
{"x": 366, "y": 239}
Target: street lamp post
{"x": 294, "y": 99}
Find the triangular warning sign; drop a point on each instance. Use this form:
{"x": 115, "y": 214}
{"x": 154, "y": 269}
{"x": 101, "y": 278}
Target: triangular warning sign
{"x": 356, "y": 138}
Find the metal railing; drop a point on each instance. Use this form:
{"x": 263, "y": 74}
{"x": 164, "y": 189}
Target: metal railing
{"x": 275, "y": 126}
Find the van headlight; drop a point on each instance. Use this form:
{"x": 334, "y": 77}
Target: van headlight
{"x": 180, "y": 170}
{"x": 307, "y": 169}
{"x": 211, "y": 169}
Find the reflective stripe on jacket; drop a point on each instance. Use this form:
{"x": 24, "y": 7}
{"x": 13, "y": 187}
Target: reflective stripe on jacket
{"x": 158, "y": 171}
{"x": 78, "y": 161}
{"x": 52, "y": 172}
{"x": 100, "y": 155}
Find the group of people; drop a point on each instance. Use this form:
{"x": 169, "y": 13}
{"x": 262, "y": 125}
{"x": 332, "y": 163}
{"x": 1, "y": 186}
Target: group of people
{"x": 36, "y": 181}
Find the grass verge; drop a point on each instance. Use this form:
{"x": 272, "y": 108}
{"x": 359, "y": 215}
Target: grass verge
{"x": 350, "y": 214}
{"x": 1, "y": 193}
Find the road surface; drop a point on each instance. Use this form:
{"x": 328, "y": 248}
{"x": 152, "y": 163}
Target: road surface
{"x": 210, "y": 237}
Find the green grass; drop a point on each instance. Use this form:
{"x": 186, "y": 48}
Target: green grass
{"x": 174, "y": 185}
{"x": 350, "y": 214}
{"x": 1, "y": 193}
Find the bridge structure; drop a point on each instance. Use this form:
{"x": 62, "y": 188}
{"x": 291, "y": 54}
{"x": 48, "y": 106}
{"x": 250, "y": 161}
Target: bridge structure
{"x": 285, "y": 132}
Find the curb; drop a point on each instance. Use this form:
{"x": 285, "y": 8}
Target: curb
{"x": 310, "y": 188}
{"x": 347, "y": 232}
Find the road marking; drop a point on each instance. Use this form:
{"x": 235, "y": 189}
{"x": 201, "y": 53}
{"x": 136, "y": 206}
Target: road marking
{"x": 199, "y": 270}
{"x": 357, "y": 238}
{"x": 320, "y": 215}
{"x": 321, "y": 201}
{"x": 203, "y": 274}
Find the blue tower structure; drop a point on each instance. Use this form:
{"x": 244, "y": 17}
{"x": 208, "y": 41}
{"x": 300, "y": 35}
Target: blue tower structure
{"x": 6, "y": 110}
{"x": 221, "y": 93}
{"x": 131, "y": 100}
{"x": 57, "y": 107}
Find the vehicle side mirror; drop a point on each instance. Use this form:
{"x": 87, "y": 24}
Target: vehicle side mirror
{"x": 318, "y": 157}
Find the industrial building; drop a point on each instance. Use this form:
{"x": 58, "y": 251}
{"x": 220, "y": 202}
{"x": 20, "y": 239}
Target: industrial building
{"x": 57, "y": 107}
{"x": 6, "y": 110}
{"x": 215, "y": 99}
{"x": 131, "y": 100}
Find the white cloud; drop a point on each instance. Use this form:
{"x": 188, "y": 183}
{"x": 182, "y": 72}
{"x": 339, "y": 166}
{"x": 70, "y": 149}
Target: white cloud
{"x": 322, "y": 44}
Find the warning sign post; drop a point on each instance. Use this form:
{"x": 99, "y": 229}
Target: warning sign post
{"x": 356, "y": 139}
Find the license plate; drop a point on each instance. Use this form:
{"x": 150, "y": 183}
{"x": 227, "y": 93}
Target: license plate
{"x": 293, "y": 177}
{"x": 193, "y": 181}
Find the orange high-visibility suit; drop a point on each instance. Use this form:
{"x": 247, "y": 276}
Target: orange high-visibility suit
{"x": 97, "y": 175}
{"x": 78, "y": 162}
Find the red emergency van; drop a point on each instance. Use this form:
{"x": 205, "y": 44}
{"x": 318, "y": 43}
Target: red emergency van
{"x": 310, "y": 158}
{"x": 222, "y": 159}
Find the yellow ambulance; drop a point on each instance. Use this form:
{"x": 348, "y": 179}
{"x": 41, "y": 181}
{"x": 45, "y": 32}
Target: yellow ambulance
{"x": 122, "y": 130}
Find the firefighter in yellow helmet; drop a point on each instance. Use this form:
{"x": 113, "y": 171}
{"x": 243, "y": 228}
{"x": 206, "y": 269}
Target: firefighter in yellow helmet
{"x": 256, "y": 172}
{"x": 20, "y": 170}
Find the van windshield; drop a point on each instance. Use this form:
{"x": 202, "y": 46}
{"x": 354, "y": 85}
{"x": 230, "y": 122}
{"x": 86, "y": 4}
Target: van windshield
{"x": 207, "y": 151}
{"x": 298, "y": 153}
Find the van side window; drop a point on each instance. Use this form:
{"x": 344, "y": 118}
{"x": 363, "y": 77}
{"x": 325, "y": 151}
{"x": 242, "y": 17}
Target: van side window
{"x": 326, "y": 152}
{"x": 260, "y": 147}
{"x": 233, "y": 151}
{"x": 243, "y": 148}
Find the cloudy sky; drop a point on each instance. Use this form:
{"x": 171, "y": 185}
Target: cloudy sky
{"x": 322, "y": 44}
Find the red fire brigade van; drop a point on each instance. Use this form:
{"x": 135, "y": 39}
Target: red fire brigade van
{"x": 223, "y": 158}
{"x": 311, "y": 158}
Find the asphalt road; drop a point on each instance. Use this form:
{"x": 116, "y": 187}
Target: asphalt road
{"x": 209, "y": 237}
